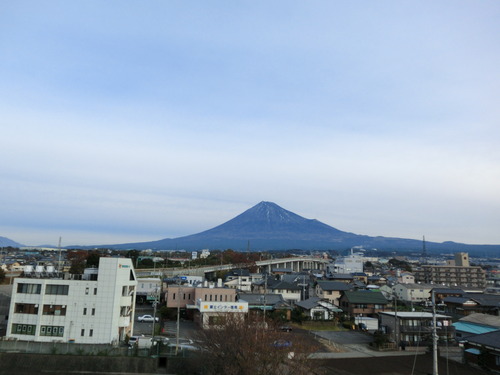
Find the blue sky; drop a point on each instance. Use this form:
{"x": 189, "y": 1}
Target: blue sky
{"x": 129, "y": 121}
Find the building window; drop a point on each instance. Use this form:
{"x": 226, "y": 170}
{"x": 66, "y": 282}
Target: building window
{"x": 86, "y": 290}
{"x": 52, "y": 331}
{"x": 95, "y": 291}
{"x": 29, "y": 288}
{"x": 91, "y": 333}
{"x": 23, "y": 329}
{"x": 25, "y": 308}
{"x": 93, "y": 310}
{"x": 54, "y": 289}
{"x": 173, "y": 296}
{"x": 54, "y": 310}
{"x": 82, "y": 333}
{"x": 84, "y": 311}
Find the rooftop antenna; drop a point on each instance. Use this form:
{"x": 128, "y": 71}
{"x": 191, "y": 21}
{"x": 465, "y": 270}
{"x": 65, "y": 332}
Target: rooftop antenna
{"x": 59, "y": 262}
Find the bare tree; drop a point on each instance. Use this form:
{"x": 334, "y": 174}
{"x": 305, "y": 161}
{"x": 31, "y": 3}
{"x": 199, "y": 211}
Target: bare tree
{"x": 250, "y": 346}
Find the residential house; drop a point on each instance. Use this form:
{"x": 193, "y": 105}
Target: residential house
{"x": 406, "y": 278}
{"x": 476, "y": 324}
{"x": 342, "y": 277}
{"x": 415, "y": 328}
{"x": 361, "y": 277}
{"x": 363, "y": 303}
{"x": 291, "y": 292}
{"x": 317, "y": 308}
{"x": 470, "y": 303}
{"x": 441, "y": 293}
{"x": 331, "y": 290}
{"x": 484, "y": 350}
{"x": 412, "y": 293}
{"x": 239, "y": 279}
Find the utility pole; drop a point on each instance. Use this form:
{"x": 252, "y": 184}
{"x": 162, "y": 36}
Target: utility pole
{"x": 179, "y": 291}
{"x": 264, "y": 300}
{"x": 59, "y": 262}
{"x": 434, "y": 337}
{"x": 396, "y": 323}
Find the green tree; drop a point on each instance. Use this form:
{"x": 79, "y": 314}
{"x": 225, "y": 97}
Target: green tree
{"x": 298, "y": 316}
{"x": 2, "y": 275}
{"x": 147, "y": 263}
{"x": 77, "y": 259}
{"x": 93, "y": 259}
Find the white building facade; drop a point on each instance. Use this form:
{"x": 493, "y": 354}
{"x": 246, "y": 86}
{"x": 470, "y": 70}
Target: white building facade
{"x": 349, "y": 264}
{"x": 94, "y": 308}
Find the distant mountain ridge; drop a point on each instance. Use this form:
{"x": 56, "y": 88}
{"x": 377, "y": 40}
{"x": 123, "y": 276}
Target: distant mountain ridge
{"x": 267, "y": 226}
{"x": 6, "y": 242}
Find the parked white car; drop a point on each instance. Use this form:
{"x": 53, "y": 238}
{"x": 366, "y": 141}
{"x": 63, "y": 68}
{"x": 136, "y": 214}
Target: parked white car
{"x": 147, "y": 318}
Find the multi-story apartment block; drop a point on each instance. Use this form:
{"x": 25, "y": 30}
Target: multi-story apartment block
{"x": 94, "y": 308}
{"x": 456, "y": 273}
{"x": 452, "y": 276}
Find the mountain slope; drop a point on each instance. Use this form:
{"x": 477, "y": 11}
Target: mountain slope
{"x": 267, "y": 226}
{"x": 6, "y": 242}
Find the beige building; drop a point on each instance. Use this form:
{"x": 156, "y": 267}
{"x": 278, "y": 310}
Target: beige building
{"x": 452, "y": 276}
{"x": 183, "y": 295}
{"x": 456, "y": 273}
{"x": 207, "y": 305}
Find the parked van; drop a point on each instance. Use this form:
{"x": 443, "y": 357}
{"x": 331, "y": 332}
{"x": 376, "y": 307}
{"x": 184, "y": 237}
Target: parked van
{"x": 145, "y": 342}
{"x": 141, "y": 342}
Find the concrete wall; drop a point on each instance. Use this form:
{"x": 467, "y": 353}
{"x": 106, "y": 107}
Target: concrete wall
{"x": 21, "y": 364}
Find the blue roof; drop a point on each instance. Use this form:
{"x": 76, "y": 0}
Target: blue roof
{"x": 473, "y": 328}
{"x": 473, "y": 351}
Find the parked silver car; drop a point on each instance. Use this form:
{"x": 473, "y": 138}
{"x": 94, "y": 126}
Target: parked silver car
{"x": 147, "y": 318}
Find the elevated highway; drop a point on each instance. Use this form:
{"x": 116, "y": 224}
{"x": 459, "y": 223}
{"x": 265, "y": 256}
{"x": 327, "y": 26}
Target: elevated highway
{"x": 295, "y": 264}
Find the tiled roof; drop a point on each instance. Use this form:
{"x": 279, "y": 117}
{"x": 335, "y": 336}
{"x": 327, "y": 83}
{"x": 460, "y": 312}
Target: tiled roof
{"x": 491, "y": 339}
{"x": 366, "y": 297}
{"x": 333, "y": 285}
{"x": 483, "y": 319}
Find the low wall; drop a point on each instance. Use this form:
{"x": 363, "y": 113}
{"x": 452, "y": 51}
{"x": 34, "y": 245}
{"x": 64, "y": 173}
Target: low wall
{"x": 24, "y": 364}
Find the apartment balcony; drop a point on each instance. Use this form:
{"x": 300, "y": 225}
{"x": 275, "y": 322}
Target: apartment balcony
{"x": 126, "y": 301}
{"x": 441, "y": 330}
{"x": 124, "y": 321}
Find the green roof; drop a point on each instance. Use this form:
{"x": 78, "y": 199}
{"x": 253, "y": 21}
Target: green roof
{"x": 366, "y": 297}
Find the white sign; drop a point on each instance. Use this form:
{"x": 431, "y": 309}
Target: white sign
{"x": 241, "y": 307}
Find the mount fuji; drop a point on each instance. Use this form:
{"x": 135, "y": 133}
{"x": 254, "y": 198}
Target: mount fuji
{"x": 267, "y": 226}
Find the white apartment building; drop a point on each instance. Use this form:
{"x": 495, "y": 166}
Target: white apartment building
{"x": 148, "y": 289}
{"x": 94, "y": 308}
{"x": 413, "y": 292}
{"x": 349, "y": 264}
